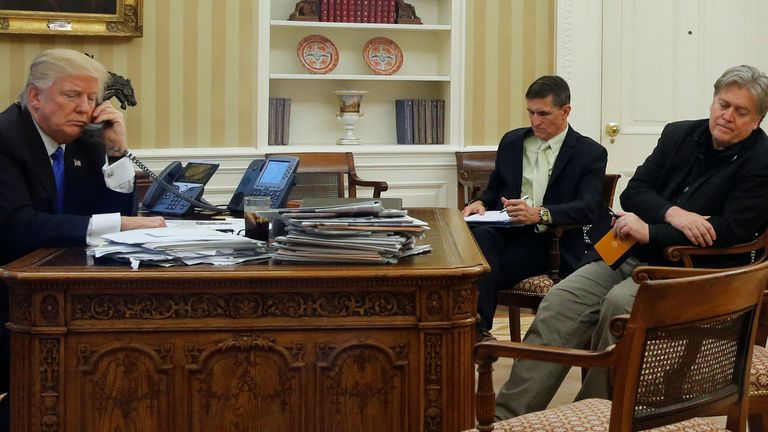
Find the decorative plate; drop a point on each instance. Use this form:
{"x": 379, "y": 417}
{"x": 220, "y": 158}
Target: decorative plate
{"x": 383, "y": 56}
{"x": 318, "y": 54}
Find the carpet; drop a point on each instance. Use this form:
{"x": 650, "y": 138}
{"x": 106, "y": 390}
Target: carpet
{"x": 501, "y": 326}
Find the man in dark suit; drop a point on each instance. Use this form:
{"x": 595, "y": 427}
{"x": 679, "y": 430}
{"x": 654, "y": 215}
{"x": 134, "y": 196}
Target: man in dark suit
{"x": 93, "y": 194}
{"x": 706, "y": 183}
{"x": 561, "y": 174}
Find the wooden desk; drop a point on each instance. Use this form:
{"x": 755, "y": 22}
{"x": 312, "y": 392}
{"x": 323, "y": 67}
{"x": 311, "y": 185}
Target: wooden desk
{"x": 250, "y": 347}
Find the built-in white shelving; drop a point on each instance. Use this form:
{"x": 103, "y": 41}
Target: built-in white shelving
{"x": 432, "y": 64}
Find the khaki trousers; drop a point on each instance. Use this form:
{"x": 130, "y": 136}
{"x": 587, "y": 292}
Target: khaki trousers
{"x": 576, "y": 313}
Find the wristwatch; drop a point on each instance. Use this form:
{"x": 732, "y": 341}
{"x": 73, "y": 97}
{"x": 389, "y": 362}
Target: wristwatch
{"x": 544, "y": 217}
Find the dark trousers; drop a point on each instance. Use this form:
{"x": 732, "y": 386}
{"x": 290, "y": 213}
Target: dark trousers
{"x": 514, "y": 254}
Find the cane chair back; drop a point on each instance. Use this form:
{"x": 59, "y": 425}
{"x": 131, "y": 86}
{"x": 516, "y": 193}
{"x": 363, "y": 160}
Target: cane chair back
{"x": 329, "y": 175}
{"x": 675, "y": 360}
{"x": 755, "y": 252}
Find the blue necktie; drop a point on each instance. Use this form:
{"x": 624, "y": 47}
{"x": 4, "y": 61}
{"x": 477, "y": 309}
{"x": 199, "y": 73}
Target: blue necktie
{"x": 58, "y": 175}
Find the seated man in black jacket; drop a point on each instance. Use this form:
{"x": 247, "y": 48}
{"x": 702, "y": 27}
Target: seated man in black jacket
{"x": 706, "y": 183}
{"x": 560, "y": 172}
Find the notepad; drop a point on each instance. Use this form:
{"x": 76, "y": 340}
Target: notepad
{"x": 491, "y": 217}
{"x": 614, "y": 250}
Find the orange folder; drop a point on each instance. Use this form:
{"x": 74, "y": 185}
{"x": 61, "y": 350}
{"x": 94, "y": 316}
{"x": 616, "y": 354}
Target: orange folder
{"x": 614, "y": 250}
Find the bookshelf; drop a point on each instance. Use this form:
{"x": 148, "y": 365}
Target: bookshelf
{"x": 432, "y": 69}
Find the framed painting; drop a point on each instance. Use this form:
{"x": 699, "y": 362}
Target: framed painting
{"x": 72, "y": 17}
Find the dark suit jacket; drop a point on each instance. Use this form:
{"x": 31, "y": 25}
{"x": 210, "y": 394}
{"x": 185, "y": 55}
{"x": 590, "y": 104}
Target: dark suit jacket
{"x": 28, "y": 191}
{"x": 734, "y": 192}
{"x": 574, "y": 188}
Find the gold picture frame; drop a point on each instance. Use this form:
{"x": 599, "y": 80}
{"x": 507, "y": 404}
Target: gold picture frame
{"x": 72, "y": 17}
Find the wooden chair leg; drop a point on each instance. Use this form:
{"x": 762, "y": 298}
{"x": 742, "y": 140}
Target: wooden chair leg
{"x": 758, "y": 422}
{"x": 514, "y": 324}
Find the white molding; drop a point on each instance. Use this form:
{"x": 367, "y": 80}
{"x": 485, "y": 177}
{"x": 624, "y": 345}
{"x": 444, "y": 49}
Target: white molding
{"x": 564, "y": 39}
{"x": 578, "y": 59}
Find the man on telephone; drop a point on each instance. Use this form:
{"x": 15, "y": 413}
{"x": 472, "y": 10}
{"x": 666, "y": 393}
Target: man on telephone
{"x": 59, "y": 187}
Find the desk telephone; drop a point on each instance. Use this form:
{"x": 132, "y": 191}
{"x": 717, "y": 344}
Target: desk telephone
{"x": 273, "y": 177}
{"x": 179, "y": 189}
{"x": 188, "y": 180}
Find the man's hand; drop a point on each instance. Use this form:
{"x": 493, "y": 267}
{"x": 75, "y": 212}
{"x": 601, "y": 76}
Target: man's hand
{"x": 629, "y": 225}
{"x": 475, "y": 207}
{"x": 114, "y": 131}
{"x": 695, "y": 226}
{"x": 138, "y": 222}
{"x": 520, "y": 212}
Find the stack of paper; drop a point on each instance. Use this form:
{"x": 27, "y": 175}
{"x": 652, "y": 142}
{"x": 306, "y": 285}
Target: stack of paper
{"x": 187, "y": 244}
{"x": 354, "y": 233}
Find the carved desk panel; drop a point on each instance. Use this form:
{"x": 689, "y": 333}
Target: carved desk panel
{"x": 255, "y": 347}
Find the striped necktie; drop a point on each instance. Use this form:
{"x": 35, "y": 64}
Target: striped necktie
{"x": 58, "y": 175}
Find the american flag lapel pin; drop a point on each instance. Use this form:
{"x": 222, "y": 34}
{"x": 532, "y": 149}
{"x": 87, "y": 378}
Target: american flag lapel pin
{"x": 77, "y": 162}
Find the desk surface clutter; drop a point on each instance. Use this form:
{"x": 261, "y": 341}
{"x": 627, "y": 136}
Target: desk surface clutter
{"x": 359, "y": 232}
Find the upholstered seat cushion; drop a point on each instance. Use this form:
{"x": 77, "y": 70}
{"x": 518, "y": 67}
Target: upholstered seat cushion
{"x": 538, "y": 285}
{"x": 589, "y": 415}
{"x": 758, "y": 382}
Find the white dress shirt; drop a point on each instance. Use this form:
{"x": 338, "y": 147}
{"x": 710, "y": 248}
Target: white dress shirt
{"x": 119, "y": 177}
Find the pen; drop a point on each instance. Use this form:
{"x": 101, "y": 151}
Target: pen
{"x": 613, "y": 213}
{"x": 524, "y": 197}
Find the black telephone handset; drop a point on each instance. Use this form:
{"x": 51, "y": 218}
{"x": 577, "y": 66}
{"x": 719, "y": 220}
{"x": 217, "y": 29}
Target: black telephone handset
{"x": 183, "y": 189}
{"x": 273, "y": 177}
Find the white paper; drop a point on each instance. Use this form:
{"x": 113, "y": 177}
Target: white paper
{"x": 491, "y": 216}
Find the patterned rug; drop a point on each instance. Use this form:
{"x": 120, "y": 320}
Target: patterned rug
{"x": 501, "y": 326}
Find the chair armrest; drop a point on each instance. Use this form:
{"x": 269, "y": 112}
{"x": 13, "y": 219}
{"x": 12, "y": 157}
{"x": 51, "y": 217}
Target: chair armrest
{"x": 647, "y": 273}
{"x": 492, "y": 350}
{"x": 684, "y": 253}
{"x": 378, "y": 186}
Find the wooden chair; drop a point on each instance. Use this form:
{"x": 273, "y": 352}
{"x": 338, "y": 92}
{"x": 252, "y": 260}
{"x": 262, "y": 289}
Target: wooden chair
{"x": 758, "y": 382}
{"x": 322, "y": 175}
{"x": 472, "y": 171}
{"x": 529, "y": 292}
{"x": 675, "y": 359}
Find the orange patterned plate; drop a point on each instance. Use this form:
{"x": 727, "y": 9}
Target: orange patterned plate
{"x": 318, "y": 54}
{"x": 383, "y": 56}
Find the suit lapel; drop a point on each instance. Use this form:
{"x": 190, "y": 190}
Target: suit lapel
{"x": 517, "y": 161}
{"x": 39, "y": 158}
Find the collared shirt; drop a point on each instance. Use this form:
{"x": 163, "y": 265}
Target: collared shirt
{"x": 119, "y": 177}
{"x": 531, "y": 146}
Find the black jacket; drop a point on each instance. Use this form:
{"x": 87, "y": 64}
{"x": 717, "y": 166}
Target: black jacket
{"x": 733, "y": 191}
{"x": 574, "y": 188}
{"x": 28, "y": 191}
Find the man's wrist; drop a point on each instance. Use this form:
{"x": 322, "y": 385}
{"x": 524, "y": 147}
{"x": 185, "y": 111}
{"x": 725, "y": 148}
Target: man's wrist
{"x": 545, "y": 218}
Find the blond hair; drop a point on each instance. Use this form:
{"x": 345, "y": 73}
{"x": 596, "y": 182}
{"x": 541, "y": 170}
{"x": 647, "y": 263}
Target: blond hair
{"x": 59, "y": 63}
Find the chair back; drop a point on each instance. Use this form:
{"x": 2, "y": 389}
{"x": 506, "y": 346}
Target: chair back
{"x": 327, "y": 175}
{"x": 677, "y": 358}
{"x": 473, "y": 169}
{"x": 609, "y": 188}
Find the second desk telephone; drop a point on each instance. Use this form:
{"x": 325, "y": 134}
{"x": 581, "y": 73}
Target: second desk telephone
{"x": 273, "y": 177}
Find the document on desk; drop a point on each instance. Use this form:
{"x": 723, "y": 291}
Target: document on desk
{"x": 493, "y": 217}
{"x": 182, "y": 243}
